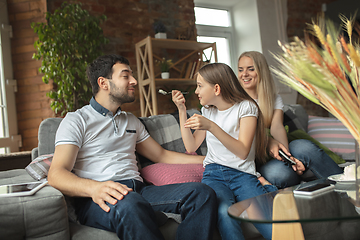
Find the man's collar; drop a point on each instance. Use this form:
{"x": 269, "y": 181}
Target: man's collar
{"x": 100, "y": 109}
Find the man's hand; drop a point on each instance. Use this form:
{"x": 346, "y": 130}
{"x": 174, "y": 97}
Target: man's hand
{"x": 110, "y": 192}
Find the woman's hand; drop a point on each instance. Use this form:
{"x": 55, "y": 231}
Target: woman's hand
{"x": 198, "y": 122}
{"x": 274, "y": 147}
{"x": 179, "y": 99}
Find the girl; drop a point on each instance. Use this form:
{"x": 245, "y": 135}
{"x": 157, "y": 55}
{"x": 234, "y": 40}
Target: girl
{"x": 255, "y": 77}
{"x": 233, "y": 127}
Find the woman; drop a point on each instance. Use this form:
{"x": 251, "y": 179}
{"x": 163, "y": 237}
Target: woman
{"x": 255, "y": 77}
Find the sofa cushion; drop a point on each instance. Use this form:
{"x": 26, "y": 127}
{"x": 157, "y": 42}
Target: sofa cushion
{"x": 165, "y": 130}
{"x": 39, "y": 167}
{"x": 332, "y": 133}
{"x": 46, "y": 135}
{"x": 295, "y": 117}
{"x": 40, "y": 216}
{"x": 161, "y": 173}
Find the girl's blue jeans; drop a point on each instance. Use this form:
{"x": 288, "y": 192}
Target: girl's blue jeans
{"x": 314, "y": 158}
{"x": 133, "y": 217}
{"x": 232, "y": 186}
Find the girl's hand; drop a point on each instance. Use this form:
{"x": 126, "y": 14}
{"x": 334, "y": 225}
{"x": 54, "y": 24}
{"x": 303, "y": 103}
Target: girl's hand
{"x": 179, "y": 99}
{"x": 198, "y": 122}
{"x": 263, "y": 181}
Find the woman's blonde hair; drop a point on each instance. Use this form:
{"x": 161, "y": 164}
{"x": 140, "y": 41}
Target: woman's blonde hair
{"x": 233, "y": 92}
{"x": 265, "y": 87}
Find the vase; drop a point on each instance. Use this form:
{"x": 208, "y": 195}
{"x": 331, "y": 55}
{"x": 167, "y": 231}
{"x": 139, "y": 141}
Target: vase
{"x": 165, "y": 75}
{"x": 160, "y": 35}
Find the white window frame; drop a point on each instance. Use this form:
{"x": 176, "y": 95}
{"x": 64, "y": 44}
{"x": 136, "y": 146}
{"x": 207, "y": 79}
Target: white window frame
{"x": 11, "y": 140}
{"x": 221, "y": 32}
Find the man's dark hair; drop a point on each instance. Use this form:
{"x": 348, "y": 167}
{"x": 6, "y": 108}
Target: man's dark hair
{"x": 102, "y": 67}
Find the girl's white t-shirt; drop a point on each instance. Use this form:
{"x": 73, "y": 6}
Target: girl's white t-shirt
{"x": 229, "y": 121}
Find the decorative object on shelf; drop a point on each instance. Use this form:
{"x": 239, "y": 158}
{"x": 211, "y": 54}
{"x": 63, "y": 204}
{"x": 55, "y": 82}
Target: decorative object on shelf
{"x": 160, "y": 29}
{"x": 165, "y": 65}
{"x": 148, "y": 52}
{"x": 80, "y": 39}
{"x": 327, "y": 74}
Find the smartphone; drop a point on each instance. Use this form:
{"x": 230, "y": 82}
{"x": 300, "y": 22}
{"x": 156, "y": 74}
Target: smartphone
{"x": 286, "y": 158}
{"x": 314, "y": 190}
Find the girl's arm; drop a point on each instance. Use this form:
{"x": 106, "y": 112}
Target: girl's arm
{"x": 241, "y": 146}
{"x": 191, "y": 141}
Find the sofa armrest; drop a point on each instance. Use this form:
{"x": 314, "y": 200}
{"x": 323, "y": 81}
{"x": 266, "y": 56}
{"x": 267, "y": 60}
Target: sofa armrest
{"x": 34, "y": 153}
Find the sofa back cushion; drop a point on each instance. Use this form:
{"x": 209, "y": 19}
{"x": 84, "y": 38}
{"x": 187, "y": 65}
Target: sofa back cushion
{"x": 46, "y": 135}
{"x": 165, "y": 130}
{"x": 332, "y": 133}
{"x": 295, "y": 117}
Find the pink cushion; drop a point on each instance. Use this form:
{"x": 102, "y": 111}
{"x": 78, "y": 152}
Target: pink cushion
{"x": 162, "y": 173}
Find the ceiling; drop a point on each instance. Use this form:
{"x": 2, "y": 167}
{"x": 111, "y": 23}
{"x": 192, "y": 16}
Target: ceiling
{"x": 223, "y": 3}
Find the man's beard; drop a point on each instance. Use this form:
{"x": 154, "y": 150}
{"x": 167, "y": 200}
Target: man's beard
{"x": 118, "y": 96}
{"x": 121, "y": 98}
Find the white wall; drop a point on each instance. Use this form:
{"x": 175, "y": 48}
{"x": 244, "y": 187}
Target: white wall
{"x": 247, "y": 27}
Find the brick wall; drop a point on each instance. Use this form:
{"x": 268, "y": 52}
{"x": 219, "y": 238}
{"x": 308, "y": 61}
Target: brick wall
{"x": 301, "y": 12}
{"x": 128, "y": 22}
{"x": 32, "y": 105}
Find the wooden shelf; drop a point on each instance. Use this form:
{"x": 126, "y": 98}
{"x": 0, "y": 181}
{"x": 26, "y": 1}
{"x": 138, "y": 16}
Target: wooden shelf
{"x": 147, "y": 78}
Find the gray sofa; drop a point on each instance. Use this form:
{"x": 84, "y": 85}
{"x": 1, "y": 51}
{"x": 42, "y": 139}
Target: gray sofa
{"x": 48, "y": 214}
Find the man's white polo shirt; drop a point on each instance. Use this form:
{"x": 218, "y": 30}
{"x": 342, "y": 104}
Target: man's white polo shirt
{"x": 106, "y": 142}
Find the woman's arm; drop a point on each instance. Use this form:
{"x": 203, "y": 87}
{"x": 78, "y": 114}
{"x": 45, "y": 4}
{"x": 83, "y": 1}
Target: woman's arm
{"x": 277, "y": 128}
{"x": 280, "y": 141}
{"x": 191, "y": 141}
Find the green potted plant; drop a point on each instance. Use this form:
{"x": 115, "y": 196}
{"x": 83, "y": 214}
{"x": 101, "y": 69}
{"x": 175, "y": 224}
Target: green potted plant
{"x": 68, "y": 40}
{"x": 165, "y": 65}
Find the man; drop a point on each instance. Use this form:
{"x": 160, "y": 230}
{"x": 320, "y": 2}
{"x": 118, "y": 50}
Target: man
{"x": 95, "y": 161}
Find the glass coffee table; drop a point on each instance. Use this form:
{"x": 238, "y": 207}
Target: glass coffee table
{"x": 288, "y": 212}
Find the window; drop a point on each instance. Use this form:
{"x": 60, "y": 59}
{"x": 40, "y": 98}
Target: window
{"x": 214, "y": 25}
{"x": 9, "y": 140}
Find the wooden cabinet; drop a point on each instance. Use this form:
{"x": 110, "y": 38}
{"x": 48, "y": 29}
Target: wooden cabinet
{"x": 186, "y": 56}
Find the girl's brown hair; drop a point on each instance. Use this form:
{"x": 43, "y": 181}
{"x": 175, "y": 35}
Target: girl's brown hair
{"x": 233, "y": 92}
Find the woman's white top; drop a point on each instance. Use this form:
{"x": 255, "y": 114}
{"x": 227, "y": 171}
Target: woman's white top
{"x": 229, "y": 121}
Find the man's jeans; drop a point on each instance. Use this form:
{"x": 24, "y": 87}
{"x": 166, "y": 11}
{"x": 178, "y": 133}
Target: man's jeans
{"x": 232, "y": 186}
{"x": 314, "y": 158}
{"x": 133, "y": 217}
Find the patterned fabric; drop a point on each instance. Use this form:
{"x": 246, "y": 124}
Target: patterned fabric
{"x": 332, "y": 133}
{"x": 165, "y": 130}
{"x": 39, "y": 167}
{"x": 161, "y": 173}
